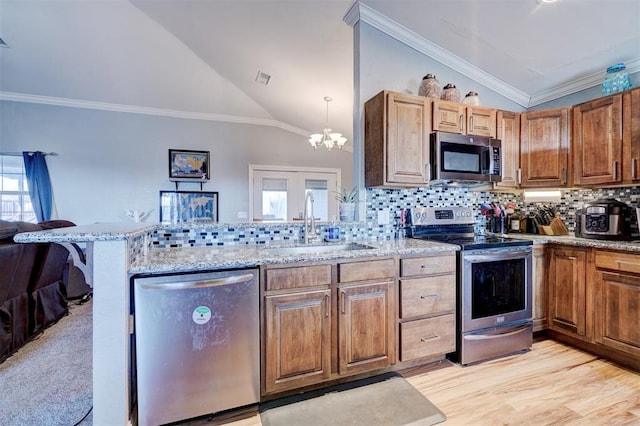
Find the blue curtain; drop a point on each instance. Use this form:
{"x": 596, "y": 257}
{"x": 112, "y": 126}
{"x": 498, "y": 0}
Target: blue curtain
{"x": 35, "y": 168}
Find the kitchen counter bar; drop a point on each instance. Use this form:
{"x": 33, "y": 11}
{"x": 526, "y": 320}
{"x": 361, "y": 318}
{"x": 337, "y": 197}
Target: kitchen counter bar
{"x": 116, "y": 252}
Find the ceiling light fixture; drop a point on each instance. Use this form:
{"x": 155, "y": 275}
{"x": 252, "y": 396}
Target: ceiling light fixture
{"x": 328, "y": 139}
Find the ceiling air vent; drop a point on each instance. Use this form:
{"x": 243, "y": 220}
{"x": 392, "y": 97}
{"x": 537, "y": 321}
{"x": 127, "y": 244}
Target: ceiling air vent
{"x": 263, "y": 78}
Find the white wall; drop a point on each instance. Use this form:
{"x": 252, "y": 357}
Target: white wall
{"x": 111, "y": 161}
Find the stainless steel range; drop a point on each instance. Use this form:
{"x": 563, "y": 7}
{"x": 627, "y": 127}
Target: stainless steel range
{"x": 494, "y": 283}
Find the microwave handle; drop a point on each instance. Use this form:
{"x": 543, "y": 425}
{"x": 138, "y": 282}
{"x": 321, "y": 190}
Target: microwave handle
{"x": 487, "y": 159}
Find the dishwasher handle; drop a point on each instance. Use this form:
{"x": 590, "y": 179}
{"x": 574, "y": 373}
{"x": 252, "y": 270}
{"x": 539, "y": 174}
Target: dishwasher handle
{"x": 182, "y": 285}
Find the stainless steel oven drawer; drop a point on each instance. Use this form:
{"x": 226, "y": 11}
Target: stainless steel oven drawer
{"x": 489, "y": 343}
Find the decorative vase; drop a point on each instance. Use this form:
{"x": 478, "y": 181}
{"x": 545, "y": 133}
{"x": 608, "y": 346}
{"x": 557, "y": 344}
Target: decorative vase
{"x": 450, "y": 93}
{"x": 430, "y": 87}
{"x": 347, "y": 212}
{"x": 471, "y": 98}
{"x": 616, "y": 79}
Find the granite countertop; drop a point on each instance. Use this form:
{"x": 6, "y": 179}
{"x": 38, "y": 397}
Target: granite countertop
{"x": 87, "y": 233}
{"x": 572, "y": 240}
{"x": 187, "y": 259}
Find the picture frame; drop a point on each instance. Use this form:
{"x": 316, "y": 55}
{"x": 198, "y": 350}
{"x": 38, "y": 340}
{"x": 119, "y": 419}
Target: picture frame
{"x": 188, "y": 206}
{"x": 188, "y": 165}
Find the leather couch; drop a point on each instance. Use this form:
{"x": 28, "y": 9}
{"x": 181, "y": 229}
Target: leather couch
{"x": 32, "y": 290}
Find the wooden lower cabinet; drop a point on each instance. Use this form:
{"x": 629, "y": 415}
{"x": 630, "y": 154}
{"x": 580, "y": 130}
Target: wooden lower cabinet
{"x": 567, "y": 290}
{"x": 427, "y": 320}
{"x": 366, "y": 327}
{"x": 617, "y": 301}
{"x": 315, "y": 330}
{"x": 298, "y": 339}
{"x": 539, "y": 288}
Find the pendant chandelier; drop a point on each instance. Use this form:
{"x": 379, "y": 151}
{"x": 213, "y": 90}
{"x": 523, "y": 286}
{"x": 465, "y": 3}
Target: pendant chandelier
{"x": 328, "y": 139}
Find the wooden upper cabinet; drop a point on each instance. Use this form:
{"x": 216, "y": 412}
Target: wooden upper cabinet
{"x": 597, "y": 141}
{"x": 508, "y": 131}
{"x": 631, "y": 136}
{"x": 396, "y": 134}
{"x": 544, "y": 145}
{"x": 454, "y": 117}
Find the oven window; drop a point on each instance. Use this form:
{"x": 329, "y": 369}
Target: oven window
{"x": 460, "y": 158}
{"x": 497, "y": 287}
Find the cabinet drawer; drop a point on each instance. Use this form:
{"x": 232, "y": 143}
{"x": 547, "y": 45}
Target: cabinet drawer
{"x": 426, "y": 337}
{"x": 624, "y": 262}
{"x": 369, "y": 270}
{"x": 428, "y": 265}
{"x": 303, "y": 276}
{"x": 427, "y": 296}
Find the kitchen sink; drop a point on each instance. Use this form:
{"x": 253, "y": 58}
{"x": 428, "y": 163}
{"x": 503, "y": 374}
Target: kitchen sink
{"x": 324, "y": 248}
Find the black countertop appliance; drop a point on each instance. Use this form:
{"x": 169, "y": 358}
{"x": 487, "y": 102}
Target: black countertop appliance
{"x": 604, "y": 219}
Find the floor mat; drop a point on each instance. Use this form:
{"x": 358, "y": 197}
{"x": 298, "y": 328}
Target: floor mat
{"x": 386, "y": 400}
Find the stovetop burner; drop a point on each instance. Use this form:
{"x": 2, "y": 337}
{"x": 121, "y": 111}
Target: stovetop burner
{"x": 455, "y": 225}
{"x": 477, "y": 242}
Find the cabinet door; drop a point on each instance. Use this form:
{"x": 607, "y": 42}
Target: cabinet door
{"x": 597, "y": 141}
{"x": 508, "y": 131}
{"x": 366, "y": 327}
{"x": 481, "y": 121}
{"x": 297, "y": 340}
{"x": 617, "y": 312}
{"x": 544, "y": 148}
{"x": 631, "y": 135}
{"x": 448, "y": 116}
{"x": 567, "y": 286}
{"x": 539, "y": 290}
{"x": 408, "y": 131}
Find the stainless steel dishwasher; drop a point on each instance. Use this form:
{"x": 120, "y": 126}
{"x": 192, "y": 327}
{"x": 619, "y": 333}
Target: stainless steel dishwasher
{"x": 197, "y": 344}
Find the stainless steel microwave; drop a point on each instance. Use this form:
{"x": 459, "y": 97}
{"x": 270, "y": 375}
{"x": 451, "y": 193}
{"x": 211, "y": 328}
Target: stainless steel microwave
{"x": 464, "y": 159}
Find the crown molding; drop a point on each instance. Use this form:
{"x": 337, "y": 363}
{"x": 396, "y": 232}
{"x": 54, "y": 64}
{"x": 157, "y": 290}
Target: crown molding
{"x": 362, "y": 12}
{"x": 132, "y": 109}
{"x": 574, "y": 86}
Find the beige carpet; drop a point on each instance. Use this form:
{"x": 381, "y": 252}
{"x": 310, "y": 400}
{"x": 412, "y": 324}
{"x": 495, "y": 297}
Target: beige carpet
{"x": 387, "y": 400}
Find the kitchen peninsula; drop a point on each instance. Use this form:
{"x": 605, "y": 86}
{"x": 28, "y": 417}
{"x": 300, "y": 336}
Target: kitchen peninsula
{"x": 118, "y": 251}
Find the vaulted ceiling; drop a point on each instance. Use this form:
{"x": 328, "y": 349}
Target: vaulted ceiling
{"x": 200, "y": 58}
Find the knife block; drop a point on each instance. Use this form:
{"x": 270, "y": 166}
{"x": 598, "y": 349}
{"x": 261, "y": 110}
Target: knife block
{"x": 556, "y": 227}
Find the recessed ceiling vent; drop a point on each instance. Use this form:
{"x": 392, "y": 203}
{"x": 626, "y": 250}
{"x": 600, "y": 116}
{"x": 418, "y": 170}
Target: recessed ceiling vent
{"x": 263, "y": 78}
{"x": 3, "y": 44}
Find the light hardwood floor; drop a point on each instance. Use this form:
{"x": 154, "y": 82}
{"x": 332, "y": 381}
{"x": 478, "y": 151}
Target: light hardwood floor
{"x": 553, "y": 384}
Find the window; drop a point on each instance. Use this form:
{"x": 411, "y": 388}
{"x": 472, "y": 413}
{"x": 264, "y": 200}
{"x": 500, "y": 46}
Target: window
{"x": 278, "y": 193}
{"x": 15, "y": 203}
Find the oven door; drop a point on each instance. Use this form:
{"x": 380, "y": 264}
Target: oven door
{"x": 495, "y": 287}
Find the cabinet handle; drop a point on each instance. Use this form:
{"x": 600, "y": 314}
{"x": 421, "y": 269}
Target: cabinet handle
{"x": 328, "y": 305}
{"x": 431, "y": 296}
{"x": 344, "y": 301}
{"x": 615, "y": 169}
{"x": 633, "y": 167}
{"x": 431, "y": 336}
{"x": 427, "y": 172}
{"x": 627, "y": 262}
{"x": 462, "y": 123}
{"x": 519, "y": 176}
{"x": 565, "y": 174}
{"x": 471, "y": 127}
{"x": 432, "y": 265}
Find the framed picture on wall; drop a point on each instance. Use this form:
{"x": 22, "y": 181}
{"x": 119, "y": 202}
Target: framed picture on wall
{"x": 187, "y": 165}
{"x": 188, "y": 206}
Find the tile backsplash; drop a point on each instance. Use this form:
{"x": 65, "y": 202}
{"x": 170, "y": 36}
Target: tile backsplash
{"x": 185, "y": 235}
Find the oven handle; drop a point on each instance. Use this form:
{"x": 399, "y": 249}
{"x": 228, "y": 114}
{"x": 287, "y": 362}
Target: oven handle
{"x": 497, "y": 335}
{"x": 496, "y": 256}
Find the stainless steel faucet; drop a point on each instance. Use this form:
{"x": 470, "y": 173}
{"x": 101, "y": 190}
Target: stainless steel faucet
{"x": 310, "y": 233}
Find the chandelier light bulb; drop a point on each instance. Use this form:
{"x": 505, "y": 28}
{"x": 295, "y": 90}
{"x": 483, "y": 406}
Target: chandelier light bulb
{"x": 327, "y": 138}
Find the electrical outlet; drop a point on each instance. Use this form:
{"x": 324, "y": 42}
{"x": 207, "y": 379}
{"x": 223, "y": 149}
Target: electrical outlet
{"x": 383, "y": 217}
{"x": 243, "y": 215}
